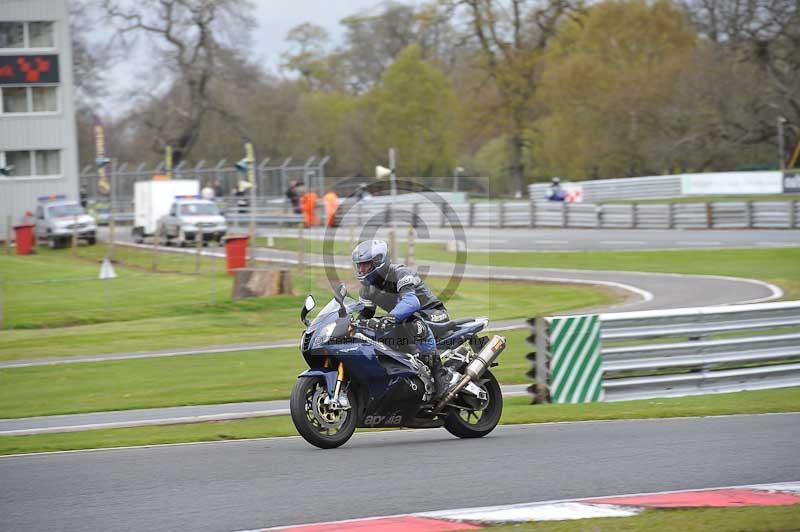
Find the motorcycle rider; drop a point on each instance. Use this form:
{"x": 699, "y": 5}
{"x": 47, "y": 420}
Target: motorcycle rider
{"x": 398, "y": 290}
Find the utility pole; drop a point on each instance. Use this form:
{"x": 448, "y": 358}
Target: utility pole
{"x": 168, "y": 162}
{"x": 456, "y": 172}
{"x": 249, "y": 154}
{"x": 781, "y": 154}
{"x": 111, "y": 210}
{"x": 393, "y": 185}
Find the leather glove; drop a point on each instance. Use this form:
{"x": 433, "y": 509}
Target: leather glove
{"x": 374, "y": 324}
{"x": 387, "y": 322}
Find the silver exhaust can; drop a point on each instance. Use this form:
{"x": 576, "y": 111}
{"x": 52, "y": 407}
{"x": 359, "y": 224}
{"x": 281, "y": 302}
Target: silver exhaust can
{"x": 476, "y": 368}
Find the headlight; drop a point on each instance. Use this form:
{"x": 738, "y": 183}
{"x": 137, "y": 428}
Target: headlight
{"x": 324, "y": 335}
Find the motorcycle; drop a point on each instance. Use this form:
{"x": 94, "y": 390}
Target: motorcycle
{"x": 356, "y": 380}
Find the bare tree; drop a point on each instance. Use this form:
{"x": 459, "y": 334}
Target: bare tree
{"x": 765, "y": 34}
{"x": 89, "y": 62}
{"x": 512, "y": 35}
{"x": 187, "y": 40}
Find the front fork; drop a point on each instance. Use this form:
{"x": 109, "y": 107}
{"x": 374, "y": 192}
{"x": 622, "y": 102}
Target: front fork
{"x": 334, "y": 384}
{"x": 337, "y": 401}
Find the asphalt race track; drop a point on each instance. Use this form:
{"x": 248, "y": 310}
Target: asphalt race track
{"x": 244, "y": 485}
{"x": 539, "y": 239}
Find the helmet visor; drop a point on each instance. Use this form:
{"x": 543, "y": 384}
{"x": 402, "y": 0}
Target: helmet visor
{"x": 363, "y": 268}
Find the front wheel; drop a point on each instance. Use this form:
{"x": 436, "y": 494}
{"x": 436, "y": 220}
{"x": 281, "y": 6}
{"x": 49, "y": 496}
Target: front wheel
{"x": 318, "y": 424}
{"x": 475, "y": 424}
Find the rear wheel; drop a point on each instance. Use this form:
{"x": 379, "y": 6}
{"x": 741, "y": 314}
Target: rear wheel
{"x": 466, "y": 423}
{"x": 316, "y": 422}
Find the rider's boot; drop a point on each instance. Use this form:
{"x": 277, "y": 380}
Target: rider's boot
{"x": 441, "y": 376}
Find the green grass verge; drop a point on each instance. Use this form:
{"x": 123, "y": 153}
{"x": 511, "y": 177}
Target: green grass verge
{"x": 750, "y": 519}
{"x": 143, "y": 311}
{"x": 184, "y": 380}
{"x": 517, "y": 410}
{"x": 149, "y": 383}
{"x": 171, "y": 381}
{"x": 778, "y": 266}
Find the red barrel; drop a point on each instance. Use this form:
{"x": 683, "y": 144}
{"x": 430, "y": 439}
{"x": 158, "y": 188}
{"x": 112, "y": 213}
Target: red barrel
{"x": 24, "y": 234}
{"x": 236, "y": 252}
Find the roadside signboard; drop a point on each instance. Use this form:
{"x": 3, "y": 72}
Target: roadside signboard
{"x": 791, "y": 182}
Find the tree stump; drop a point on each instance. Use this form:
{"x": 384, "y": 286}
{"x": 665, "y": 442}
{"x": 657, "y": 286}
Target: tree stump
{"x": 250, "y": 282}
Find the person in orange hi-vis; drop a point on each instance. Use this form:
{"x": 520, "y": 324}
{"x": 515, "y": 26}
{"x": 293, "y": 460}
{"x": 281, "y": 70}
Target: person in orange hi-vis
{"x": 310, "y": 208}
{"x": 331, "y": 201}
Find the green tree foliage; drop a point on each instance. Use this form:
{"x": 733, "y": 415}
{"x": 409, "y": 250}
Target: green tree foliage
{"x": 317, "y": 68}
{"x": 511, "y": 36}
{"x": 518, "y": 89}
{"x": 189, "y": 40}
{"x": 607, "y": 75}
{"x": 414, "y": 113}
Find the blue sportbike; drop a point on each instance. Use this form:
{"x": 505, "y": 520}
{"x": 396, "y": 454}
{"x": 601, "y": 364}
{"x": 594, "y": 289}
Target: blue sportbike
{"x": 356, "y": 380}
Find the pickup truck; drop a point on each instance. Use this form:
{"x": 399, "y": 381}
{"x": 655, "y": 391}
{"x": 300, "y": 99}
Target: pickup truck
{"x": 58, "y": 219}
{"x": 189, "y": 217}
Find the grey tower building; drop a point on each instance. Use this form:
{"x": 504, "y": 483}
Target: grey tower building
{"x": 38, "y": 143}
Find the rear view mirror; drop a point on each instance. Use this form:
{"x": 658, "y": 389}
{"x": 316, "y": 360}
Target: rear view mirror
{"x": 341, "y": 292}
{"x": 308, "y": 305}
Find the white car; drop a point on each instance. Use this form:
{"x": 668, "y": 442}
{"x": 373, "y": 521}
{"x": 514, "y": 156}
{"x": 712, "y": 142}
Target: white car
{"x": 57, "y": 220}
{"x": 191, "y": 218}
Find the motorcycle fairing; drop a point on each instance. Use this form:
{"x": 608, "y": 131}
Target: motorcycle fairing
{"x": 328, "y": 374}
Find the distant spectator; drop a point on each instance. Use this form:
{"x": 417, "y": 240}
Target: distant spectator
{"x": 556, "y": 192}
{"x": 331, "y": 201}
{"x": 293, "y": 194}
{"x": 310, "y": 208}
{"x": 218, "y": 190}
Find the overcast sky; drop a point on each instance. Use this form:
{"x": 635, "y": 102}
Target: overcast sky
{"x": 276, "y": 17}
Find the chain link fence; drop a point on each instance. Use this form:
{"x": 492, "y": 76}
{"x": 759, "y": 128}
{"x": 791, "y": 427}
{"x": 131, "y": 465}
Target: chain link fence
{"x": 271, "y": 180}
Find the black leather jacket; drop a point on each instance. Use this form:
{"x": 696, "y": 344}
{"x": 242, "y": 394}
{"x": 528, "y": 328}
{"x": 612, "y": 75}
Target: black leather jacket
{"x": 387, "y": 293}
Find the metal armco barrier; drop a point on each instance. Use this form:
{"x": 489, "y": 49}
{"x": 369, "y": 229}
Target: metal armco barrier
{"x": 759, "y": 215}
{"x": 717, "y": 215}
{"x": 670, "y": 353}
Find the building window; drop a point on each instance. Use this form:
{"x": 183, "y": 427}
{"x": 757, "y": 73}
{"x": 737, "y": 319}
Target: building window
{"x": 38, "y": 34}
{"x": 48, "y": 162}
{"x": 29, "y": 100}
{"x": 18, "y": 163}
{"x": 12, "y": 35}
{"x": 31, "y": 162}
{"x": 15, "y": 100}
{"x": 44, "y": 99}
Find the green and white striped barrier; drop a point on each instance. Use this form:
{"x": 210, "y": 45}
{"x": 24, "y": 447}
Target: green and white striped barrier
{"x": 568, "y": 359}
